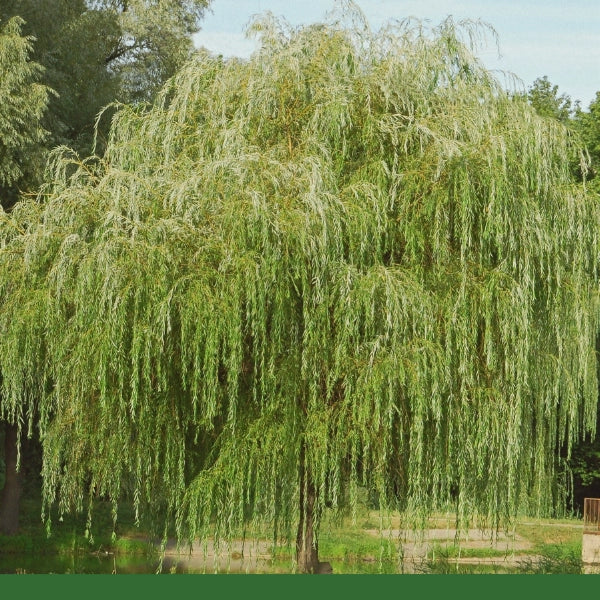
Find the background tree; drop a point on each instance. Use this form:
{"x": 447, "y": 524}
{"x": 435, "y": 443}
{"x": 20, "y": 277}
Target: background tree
{"x": 584, "y": 468}
{"x": 352, "y": 260}
{"x": 22, "y": 103}
{"x": 154, "y": 40}
{"x": 584, "y": 465}
{"x": 587, "y": 124}
{"x": 23, "y": 100}
{"x": 585, "y": 462}
{"x": 543, "y": 96}
{"x": 96, "y": 52}
{"x": 91, "y": 53}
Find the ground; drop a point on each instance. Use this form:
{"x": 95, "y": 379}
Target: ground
{"x": 531, "y": 546}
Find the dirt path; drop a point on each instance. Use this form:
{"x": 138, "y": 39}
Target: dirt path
{"x": 422, "y": 543}
{"x": 421, "y": 547}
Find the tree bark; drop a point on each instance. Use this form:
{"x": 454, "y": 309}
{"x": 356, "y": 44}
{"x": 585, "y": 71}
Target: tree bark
{"x": 307, "y": 544}
{"x": 11, "y": 493}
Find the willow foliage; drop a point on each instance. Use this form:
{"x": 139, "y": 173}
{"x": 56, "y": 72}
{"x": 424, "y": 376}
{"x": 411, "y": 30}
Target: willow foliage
{"x": 352, "y": 254}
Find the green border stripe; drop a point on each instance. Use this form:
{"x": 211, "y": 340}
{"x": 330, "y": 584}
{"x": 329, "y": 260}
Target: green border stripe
{"x": 307, "y": 587}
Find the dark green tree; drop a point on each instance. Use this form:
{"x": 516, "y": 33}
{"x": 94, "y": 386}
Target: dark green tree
{"x": 584, "y": 464}
{"x": 91, "y": 53}
{"x": 544, "y": 97}
{"x": 95, "y": 52}
{"x": 587, "y": 123}
{"x": 23, "y": 100}
{"x": 352, "y": 260}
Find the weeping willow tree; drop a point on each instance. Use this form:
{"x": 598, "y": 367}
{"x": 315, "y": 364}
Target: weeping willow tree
{"x": 352, "y": 261}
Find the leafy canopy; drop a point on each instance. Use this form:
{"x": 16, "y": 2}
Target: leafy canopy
{"x": 23, "y": 100}
{"x": 587, "y": 123}
{"x": 353, "y": 253}
{"x": 543, "y": 96}
{"x": 95, "y": 52}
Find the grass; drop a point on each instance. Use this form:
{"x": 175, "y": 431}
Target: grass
{"x": 68, "y": 550}
{"x": 541, "y": 532}
{"x": 68, "y": 535}
{"x": 555, "y": 559}
{"x": 554, "y": 546}
{"x": 349, "y": 550}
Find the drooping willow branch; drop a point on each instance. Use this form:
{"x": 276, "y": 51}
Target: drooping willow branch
{"x": 354, "y": 243}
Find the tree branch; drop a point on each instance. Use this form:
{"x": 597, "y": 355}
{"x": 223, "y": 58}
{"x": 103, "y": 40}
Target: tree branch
{"x": 118, "y": 52}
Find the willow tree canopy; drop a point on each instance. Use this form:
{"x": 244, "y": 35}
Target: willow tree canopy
{"x": 352, "y": 260}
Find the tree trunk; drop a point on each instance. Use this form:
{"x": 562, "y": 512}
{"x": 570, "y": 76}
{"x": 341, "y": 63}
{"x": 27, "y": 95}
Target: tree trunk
{"x": 11, "y": 493}
{"x": 307, "y": 545}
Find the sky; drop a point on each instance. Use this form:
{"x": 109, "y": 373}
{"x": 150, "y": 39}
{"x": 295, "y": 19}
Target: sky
{"x": 556, "y": 38}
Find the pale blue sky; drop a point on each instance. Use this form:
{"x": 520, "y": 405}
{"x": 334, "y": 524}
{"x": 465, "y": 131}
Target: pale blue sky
{"x": 560, "y": 39}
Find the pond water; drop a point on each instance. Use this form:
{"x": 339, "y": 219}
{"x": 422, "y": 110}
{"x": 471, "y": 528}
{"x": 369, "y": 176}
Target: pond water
{"x": 235, "y": 560}
{"x": 101, "y": 563}
{"x": 238, "y": 557}
{"x": 76, "y": 564}
{"x": 132, "y": 564}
